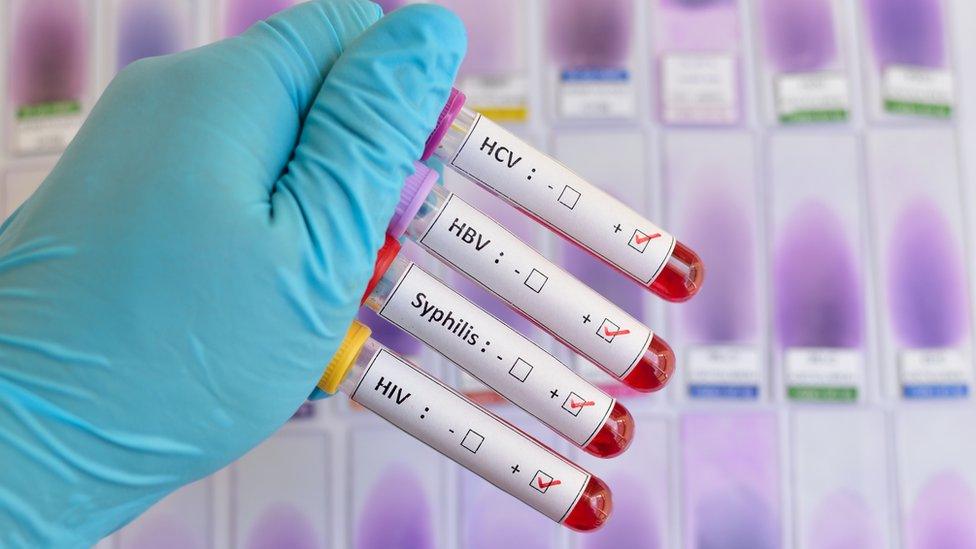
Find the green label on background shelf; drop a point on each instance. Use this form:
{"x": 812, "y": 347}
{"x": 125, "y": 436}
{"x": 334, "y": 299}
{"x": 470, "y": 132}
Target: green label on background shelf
{"x": 814, "y": 116}
{"x": 918, "y": 91}
{"x": 44, "y": 110}
{"x": 803, "y": 98}
{"x": 918, "y": 109}
{"x": 824, "y": 394}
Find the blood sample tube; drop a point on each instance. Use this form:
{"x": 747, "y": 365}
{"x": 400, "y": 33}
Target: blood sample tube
{"x": 478, "y": 247}
{"x": 499, "y": 356}
{"x": 476, "y": 439}
{"x": 547, "y": 191}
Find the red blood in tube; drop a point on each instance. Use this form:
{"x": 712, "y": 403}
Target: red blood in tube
{"x": 615, "y": 435}
{"x": 682, "y": 275}
{"x": 655, "y": 368}
{"x": 592, "y": 509}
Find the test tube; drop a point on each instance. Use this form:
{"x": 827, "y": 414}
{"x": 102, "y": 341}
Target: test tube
{"x": 481, "y": 249}
{"x": 473, "y": 437}
{"x": 550, "y": 193}
{"x": 499, "y": 356}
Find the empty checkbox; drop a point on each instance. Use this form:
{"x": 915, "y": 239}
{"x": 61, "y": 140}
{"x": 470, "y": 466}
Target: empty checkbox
{"x": 472, "y": 441}
{"x": 569, "y": 197}
{"x": 536, "y": 281}
{"x": 520, "y": 370}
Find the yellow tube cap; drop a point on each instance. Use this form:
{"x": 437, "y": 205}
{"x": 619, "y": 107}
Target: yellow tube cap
{"x": 344, "y": 358}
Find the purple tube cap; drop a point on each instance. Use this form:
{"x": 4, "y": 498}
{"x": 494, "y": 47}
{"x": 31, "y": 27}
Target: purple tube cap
{"x": 415, "y": 191}
{"x": 454, "y": 103}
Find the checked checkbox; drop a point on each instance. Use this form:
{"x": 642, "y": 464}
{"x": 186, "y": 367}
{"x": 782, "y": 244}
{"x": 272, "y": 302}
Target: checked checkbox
{"x": 542, "y": 482}
{"x": 640, "y": 240}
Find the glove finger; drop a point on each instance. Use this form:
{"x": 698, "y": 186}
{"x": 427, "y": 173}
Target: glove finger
{"x": 360, "y": 137}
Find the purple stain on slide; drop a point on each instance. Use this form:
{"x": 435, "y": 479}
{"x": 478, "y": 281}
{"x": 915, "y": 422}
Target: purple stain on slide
{"x": 698, "y": 26}
{"x": 730, "y": 480}
{"x": 817, "y": 289}
{"x": 282, "y": 525}
{"x": 241, "y": 14}
{"x": 50, "y": 52}
{"x": 907, "y": 32}
{"x": 735, "y": 518}
{"x": 486, "y": 22}
{"x": 393, "y": 337}
{"x": 927, "y": 292}
{"x": 943, "y": 515}
{"x": 390, "y": 5}
{"x": 494, "y": 519}
{"x": 617, "y": 288}
{"x": 583, "y": 33}
{"x": 160, "y": 531}
{"x": 844, "y": 521}
{"x": 147, "y": 28}
{"x": 799, "y": 34}
{"x": 724, "y": 311}
{"x": 395, "y": 513}
{"x": 634, "y": 523}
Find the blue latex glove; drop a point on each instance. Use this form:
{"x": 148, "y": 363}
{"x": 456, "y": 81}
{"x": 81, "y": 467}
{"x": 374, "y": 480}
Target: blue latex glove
{"x": 173, "y": 291}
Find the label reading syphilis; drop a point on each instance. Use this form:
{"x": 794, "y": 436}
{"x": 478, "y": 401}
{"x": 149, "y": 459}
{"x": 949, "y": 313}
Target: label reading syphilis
{"x": 437, "y": 416}
{"x": 824, "y": 374}
{"x": 723, "y": 372}
{"x": 812, "y": 97}
{"x": 935, "y": 374}
{"x": 699, "y": 89}
{"x": 496, "y": 354}
{"x": 483, "y": 250}
{"x": 493, "y": 157}
{"x": 46, "y": 127}
{"x": 918, "y": 90}
{"x": 597, "y": 93}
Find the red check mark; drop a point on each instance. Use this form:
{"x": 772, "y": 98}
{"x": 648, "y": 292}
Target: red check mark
{"x": 638, "y": 239}
{"x": 574, "y": 404}
{"x": 610, "y": 333}
{"x": 544, "y": 485}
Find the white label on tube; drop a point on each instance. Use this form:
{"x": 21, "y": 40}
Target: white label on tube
{"x": 597, "y": 93}
{"x": 918, "y": 90}
{"x": 437, "y": 416}
{"x": 812, "y": 97}
{"x": 499, "y": 356}
{"x": 699, "y": 88}
{"x": 483, "y": 250}
{"x": 493, "y": 157}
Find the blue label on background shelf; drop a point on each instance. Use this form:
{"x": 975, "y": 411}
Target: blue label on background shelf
{"x": 732, "y": 392}
{"x": 597, "y": 74}
{"x": 926, "y": 392}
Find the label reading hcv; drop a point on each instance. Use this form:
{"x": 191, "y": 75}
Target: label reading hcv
{"x": 482, "y": 249}
{"x": 548, "y": 190}
{"x": 497, "y": 355}
{"x": 430, "y": 412}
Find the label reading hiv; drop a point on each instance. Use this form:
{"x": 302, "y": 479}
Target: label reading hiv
{"x": 430, "y": 412}
{"x": 500, "y": 357}
{"x": 534, "y": 182}
{"x": 483, "y": 250}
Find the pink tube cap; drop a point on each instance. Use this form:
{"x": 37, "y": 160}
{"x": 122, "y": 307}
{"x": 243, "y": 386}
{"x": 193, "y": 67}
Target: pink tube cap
{"x": 415, "y": 191}
{"x": 454, "y": 103}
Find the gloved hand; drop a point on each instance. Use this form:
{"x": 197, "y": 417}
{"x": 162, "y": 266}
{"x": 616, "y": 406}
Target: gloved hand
{"x": 173, "y": 291}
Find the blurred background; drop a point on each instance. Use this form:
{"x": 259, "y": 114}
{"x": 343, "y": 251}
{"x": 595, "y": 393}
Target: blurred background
{"x": 814, "y": 152}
